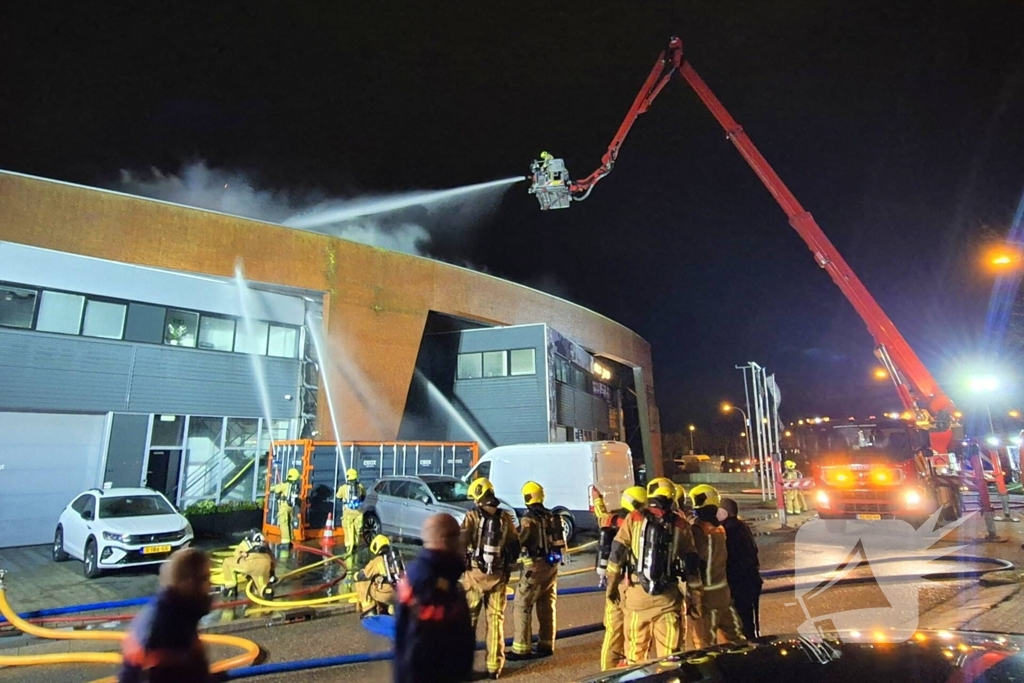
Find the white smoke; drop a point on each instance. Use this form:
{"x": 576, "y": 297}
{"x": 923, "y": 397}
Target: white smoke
{"x": 236, "y": 193}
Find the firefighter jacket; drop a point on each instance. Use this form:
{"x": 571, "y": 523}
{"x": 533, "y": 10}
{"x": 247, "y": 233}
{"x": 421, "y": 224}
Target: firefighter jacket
{"x": 508, "y": 542}
{"x": 287, "y": 492}
{"x": 605, "y": 517}
{"x": 352, "y": 495}
{"x": 709, "y": 538}
{"x": 540, "y": 536}
{"x": 626, "y": 546}
{"x": 376, "y": 571}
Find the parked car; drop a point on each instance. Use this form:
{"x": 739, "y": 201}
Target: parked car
{"x": 566, "y": 471}
{"x": 398, "y": 506}
{"x": 114, "y": 528}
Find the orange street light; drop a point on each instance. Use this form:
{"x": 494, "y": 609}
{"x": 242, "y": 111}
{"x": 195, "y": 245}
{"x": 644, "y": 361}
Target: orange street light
{"x": 1014, "y": 413}
{"x": 881, "y": 373}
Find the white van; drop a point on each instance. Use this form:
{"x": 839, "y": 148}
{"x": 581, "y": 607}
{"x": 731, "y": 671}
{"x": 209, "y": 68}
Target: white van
{"x": 565, "y": 470}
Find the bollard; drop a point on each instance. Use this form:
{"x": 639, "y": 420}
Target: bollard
{"x": 779, "y": 498}
{"x": 983, "y": 498}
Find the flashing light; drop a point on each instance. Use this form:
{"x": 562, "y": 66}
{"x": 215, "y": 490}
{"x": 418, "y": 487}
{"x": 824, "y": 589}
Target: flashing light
{"x": 879, "y": 636}
{"x": 1014, "y": 413}
{"x": 957, "y": 414}
{"x": 913, "y": 498}
{"x": 945, "y": 635}
{"x": 992, "y": 441}
{"x": 822, "y": 498}
{"x": 880, "y": 476}
{"x": 920, "y": 637}
{"x": 907, "y": 415}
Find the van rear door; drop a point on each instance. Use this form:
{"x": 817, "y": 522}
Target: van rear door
{"x": 613, "y": 470}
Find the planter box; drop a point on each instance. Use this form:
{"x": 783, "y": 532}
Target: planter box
{"x": 226, "y": 524}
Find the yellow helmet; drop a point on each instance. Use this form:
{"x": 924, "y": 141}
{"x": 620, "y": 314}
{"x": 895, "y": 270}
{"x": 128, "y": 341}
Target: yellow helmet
{"x": 351, "y": 475}
{"x": 379, "y": 542}
{"x": 661, "y": 487}
{"x": 546, "y": 156}
{"x": 533, "y": 493}
{"x": 790, "y": 465}
{"x": 293, "y": 475}
{"x": 634, "y": 498}
{"x": 680, "y": 494}
{"x": 480, "y": 489}
{"x": 703, "y": 495}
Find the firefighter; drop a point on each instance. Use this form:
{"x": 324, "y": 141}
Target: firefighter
{"x": 375, "y": 583}
{"x": 286, "y": 493}
{"x": 492, "y": 547}
{"x": 251, "y": 559}
{"x": 650, "y": 549}
{"x": 543, "y": 545}
{"x": 351, "y": 494}
{"x": 613, "y": 647}
{"x": 795, "y": 502}
{"x": 714, "y": 611}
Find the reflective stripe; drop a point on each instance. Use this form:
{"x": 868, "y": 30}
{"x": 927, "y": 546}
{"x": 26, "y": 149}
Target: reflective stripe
{"x": 717, "y": 586}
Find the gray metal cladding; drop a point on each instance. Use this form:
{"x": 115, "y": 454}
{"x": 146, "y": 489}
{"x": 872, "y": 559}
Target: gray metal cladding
{"x": 44, "y": 372}
{"x": 170, "y": 380}
{"x": 503, "y": 338}
{"x": 508, "y": 409}
{"x": 578, "y": 409}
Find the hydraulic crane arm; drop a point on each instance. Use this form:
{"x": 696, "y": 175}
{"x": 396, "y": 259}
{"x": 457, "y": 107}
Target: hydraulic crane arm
{"x": 915, "y": 385}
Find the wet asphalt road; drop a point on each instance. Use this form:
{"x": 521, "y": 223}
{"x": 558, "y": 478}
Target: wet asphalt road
{"x": 575, "y": 658}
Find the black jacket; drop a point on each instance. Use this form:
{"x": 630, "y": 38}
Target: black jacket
{"x": 434, "y": 638}
{"x": 743, "y": 568}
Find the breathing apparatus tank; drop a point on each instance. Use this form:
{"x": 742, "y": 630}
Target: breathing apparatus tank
{"x": 394, "y": 566}
{"x": 488, "y": 555}
{"x": 604, "y": 551}
{"x": 655, "y": 560}
{"x": 554, "y": 540}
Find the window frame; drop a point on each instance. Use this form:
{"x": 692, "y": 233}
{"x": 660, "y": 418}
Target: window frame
{"x": 39, "y": 306}
{"x": 458, "y": 365}
{"x": 483, "y": 364}
{"x": 167, "y": 313}
{"x": 215, "y": 316}
{"x": 284, "y": 326}
{"x": 533, "y": 369}
{"x": 105, "y": 300}
{"x": 35, "y": 305}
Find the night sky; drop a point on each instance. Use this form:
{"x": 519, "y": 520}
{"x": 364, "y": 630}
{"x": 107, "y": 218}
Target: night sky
{"x": 897, "y": 124}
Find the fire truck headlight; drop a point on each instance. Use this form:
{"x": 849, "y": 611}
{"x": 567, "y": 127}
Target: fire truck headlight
{"x": 913, "y": 498}
{"x": 821, "y": 498}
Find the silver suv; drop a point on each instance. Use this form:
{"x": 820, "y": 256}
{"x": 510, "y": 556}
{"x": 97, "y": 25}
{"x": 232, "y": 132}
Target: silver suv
{"x": 397, "y": 506}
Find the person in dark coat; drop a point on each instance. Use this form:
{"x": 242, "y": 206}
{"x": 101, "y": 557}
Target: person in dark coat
{"x": 742, "y": 569}
{"x": 434, "y": 638}
{"x": 162, "y": 645}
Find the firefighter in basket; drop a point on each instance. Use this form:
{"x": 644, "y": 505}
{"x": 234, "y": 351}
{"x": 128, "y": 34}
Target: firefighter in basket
{"x": 542, "y": 541}
{"x": 795, "y": 501}
{"x": 492, "y": 548}
{"x": 375, "y": 583}
{"x": 286, "y": 494}
{"x": 716, "y": 612}
{"x": 252, "y": 560}
{"x": 634, "y": 498}
{"x": 351, "y": 494}
{"x": 650, "y": 551}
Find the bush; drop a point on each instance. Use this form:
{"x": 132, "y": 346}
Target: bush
{"x": 209, "y": 507}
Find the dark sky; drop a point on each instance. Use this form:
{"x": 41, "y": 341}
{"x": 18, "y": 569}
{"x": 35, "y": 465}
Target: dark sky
{"x": 898, "y": 124}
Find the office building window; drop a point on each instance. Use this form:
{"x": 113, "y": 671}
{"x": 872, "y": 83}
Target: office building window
{"x": 495, "y": 364}
{"x": 181, "y": 327}
{"x": 284, "y": 341}
{"x": 17, "y": 306}
{"x": 470, "y": 366}
{"x": 60, "y": 312}
{"x": 216, "y": 334}
{"x": 523, "y": 362}
{"x": 104, "y": 319}
{"x": 251, "y": 337}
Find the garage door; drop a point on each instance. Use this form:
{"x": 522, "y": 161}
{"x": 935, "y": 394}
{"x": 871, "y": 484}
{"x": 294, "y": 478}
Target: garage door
{"x": 45, "y": 460}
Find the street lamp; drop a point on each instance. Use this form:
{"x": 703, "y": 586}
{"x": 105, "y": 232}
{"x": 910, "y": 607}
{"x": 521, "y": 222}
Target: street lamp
{"x": 881, "y": 373}
{"x": 1014, "y": 413}
{"x": 692, "y": 430}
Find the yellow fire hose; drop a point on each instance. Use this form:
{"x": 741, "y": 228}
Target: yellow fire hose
{"x": 250, "y": 650}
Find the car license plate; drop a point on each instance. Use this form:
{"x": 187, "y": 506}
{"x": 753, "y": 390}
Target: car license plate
{"x": 869, "y": 516}
{"x": 154, "y": 549}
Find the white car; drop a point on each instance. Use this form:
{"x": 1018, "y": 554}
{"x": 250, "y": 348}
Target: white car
{"x": 114, "y": 528}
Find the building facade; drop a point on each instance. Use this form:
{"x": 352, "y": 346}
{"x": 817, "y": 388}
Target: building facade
{"x": 130, "y": 353}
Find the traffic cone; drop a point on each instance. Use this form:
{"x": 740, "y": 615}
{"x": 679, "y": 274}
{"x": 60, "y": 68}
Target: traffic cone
{"x": 327, "y": 540}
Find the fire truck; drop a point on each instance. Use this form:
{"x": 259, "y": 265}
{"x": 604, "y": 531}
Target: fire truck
{"x": 896, "y": 468}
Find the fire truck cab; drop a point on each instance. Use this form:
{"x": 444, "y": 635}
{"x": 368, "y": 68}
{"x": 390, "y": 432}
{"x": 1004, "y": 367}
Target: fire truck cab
{"x": 877, "y": 470}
